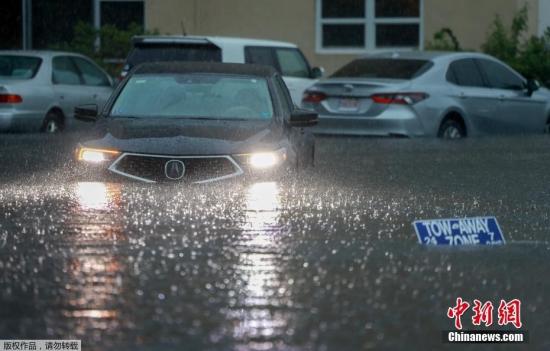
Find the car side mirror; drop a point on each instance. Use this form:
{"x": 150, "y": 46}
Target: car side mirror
{"x": 531, "y": 86}
{"x": 303, "y": 118}
{"x": 86, "y": 113}
{"x": 317, "y": 72}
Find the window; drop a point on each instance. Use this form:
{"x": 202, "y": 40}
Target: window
{"x": 465, "y": 73}
{"x": 384, "y": 68}
{"x": 150, "y": 52}
{"x": 65, "y": 71}
{"x": 90, "y": 73}
{"x": 288, "y": 61}
{"x": 500, "y": 77}
{"x": 358, "y": 25}
{"x": 260, "y": 56}
{"x": 121, "y": 14}
{"x": 19, "y": 67}
{"x": 292, "y": 63}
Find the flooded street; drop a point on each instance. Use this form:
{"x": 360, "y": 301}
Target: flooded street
{"x": 326, "y": 261}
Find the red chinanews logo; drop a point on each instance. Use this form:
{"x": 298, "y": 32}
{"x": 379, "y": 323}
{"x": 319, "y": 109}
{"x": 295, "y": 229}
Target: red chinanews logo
{"x": 508, "y": 313}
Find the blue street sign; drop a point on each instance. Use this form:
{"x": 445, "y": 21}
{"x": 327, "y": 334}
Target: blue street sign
{"x": 459, "y": 231}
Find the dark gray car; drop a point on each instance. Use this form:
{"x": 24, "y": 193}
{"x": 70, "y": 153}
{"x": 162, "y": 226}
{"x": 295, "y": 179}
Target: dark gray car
{"x": 198, "y": 123}
{"x": 450, "y": 95}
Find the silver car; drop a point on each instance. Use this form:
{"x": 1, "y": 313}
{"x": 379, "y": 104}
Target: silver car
{"x": 40, "y": 89}
{"x": 414, "y": 94}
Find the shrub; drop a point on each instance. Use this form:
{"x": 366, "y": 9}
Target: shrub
{"x": 444, "y": 40}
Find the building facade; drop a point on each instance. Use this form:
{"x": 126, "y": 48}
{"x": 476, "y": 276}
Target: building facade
{"x": 332, "y": 32}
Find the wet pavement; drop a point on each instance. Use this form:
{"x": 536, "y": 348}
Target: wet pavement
{"x": 328, "y": 261}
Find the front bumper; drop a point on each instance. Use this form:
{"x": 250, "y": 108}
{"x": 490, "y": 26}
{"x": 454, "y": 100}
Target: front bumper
{"x": 394, "y": 121}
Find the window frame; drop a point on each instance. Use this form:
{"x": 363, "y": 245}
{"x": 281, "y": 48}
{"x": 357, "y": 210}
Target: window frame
{"x": 369, "y": 21}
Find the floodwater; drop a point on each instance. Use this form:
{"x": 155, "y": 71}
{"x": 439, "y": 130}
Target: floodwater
{"x": 327, "y": 261}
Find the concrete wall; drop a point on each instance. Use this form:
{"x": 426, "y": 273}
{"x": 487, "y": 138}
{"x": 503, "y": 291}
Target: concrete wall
{"x": 294, "y": 20}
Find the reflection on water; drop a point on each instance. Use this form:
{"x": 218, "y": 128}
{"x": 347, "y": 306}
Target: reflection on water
{"x": 260, "y": 319}
{"x": 93, "y": 280}
{"x": 97, "y": 195}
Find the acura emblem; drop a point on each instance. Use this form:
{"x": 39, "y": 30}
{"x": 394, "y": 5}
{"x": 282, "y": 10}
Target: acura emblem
{"x": 174, "y": 169}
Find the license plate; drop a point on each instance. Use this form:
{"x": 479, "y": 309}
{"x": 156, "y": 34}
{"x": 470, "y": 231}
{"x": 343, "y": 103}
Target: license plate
{"x": 349, "y": 104}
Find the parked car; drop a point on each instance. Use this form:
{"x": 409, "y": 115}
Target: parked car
{"x": 284, "y": 57}
{"x": 198, "y": 123}
{"x": 449, "y": 95}
{"x": 40, "y": 89}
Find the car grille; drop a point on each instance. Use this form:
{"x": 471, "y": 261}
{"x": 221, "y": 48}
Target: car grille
{"x": 152, "y": 168}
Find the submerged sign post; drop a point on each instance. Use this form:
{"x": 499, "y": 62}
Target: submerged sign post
{"x": 459, "y": 231}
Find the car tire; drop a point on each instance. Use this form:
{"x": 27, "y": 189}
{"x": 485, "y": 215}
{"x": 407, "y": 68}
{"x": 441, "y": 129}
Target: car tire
{"x": 451, "y": 129}
{"x": 53, "y": 123}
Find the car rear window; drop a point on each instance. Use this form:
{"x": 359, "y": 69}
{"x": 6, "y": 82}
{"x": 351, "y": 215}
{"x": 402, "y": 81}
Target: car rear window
{"x": 384, "y": 68}
{"x": 169, "y": 52}
{"x": 19, "y": 67}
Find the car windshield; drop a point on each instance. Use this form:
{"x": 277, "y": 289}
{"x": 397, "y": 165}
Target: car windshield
{"x": 194, "y": 96}
{"x": 383, "y": 68}
{"x": 19, "y": 67}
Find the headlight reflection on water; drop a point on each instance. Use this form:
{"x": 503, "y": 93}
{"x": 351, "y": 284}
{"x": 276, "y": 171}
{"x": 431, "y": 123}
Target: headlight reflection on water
{"x": 97, "y": 195}
{"x": 259, "y": 265}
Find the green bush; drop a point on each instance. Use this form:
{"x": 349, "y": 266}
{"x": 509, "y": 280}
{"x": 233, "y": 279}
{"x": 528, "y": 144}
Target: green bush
{"x": 444, "y": 40}
{"x": 529, "y": 55}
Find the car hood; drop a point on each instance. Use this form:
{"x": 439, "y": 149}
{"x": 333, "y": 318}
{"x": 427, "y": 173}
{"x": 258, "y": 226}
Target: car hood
{"x": 186, "y": 137}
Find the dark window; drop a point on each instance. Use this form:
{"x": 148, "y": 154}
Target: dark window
{"x": 501, "y": 77}
{"x": 397, "y": 35}
{"x": 343, "y": 9}
{"x": 260, "y": 56}
{"x": 11, "y": 30}
{"x": 397, "y": 8}
{"x": 54, "y": 21}
{"x": 184, "y": 52}
{"x": 19, "y": 67}
{"x": 384, "y": 68}
{"x": 343, "y": 35}
{"x": 292, "y": 63}
{"x": 347, "y": 24}
{"x": 90, "y": 73}
{"x": 122, "y": 14}
{"x": 65, "y": 71}
{"x": 465, "y": 73}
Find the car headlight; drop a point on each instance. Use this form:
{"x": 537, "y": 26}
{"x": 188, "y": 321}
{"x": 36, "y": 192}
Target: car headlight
{"x": 266, "y": 160}
{"x": 95, "y": 155}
